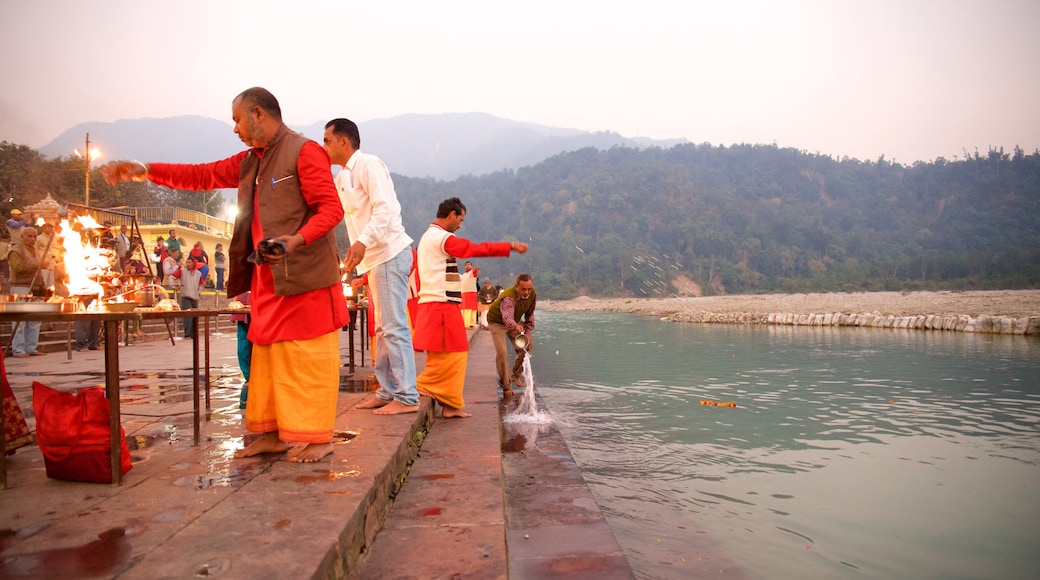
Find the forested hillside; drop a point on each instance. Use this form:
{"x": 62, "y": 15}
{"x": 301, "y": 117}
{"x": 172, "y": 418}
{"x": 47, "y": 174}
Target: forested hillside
{"x": 701, "y": 219}
{"x": 698, "y": 219}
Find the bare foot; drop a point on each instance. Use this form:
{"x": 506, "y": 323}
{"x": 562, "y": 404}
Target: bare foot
{"x": 309, "y": 453}
{"x": 373, "y": 403}
{"x": 453, "y": 413}
{"x": 267, "y": 443}
{"x": 507, "y": 392}
{"x": 396, "y": 408}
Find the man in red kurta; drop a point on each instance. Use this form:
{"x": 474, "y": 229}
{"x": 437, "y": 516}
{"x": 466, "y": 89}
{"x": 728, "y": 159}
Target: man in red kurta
{"x": 285, "y": 196}
{"x": 439, "y": 328}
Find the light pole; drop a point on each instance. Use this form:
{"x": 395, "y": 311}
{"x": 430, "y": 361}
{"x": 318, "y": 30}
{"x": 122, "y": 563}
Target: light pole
{"x": 87, "y": 155}
{"x": 86, "y": 148}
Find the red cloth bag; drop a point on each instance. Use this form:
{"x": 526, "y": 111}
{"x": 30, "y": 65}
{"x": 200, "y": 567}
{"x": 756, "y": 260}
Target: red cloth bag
{"x": 73, "y": 434}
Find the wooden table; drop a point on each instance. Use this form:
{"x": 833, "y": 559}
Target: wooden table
{"x": 110, "y": 321}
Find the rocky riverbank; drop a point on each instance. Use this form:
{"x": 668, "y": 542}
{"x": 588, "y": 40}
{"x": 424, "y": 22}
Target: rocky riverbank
{"x": 992, "y": 311}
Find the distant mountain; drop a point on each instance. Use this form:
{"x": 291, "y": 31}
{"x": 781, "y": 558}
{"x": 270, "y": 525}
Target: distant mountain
{"x": 185, "y": 139}
{"x": 441, "y": 146}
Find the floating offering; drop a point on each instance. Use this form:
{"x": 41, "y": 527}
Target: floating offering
{"x": 711, "y": 403}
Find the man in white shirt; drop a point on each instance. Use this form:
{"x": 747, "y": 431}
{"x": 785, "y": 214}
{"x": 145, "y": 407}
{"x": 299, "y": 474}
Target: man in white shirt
{"x": 191, "y": 292}
{"x": 381, "y": 248}
{"x": 121, "y": 247}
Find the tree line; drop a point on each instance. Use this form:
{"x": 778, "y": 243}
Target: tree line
{"x": 697, "y": 218}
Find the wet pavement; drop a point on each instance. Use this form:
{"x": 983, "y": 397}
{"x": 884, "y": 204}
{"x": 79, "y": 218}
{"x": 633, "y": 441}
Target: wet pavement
{"x": 463, "y": 508}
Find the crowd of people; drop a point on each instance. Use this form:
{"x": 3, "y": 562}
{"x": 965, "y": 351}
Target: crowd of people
{"x": 283, "y": 258}
{"x": 32, "y": 263}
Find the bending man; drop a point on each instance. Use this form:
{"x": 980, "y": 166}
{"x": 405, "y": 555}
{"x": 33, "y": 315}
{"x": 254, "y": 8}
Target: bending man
{"x": 513, "y": 305}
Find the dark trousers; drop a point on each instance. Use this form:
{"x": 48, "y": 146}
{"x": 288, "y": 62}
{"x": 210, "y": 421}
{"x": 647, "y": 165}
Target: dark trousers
{"x": 189, "y": 323}
{"x": 88, "y": 334}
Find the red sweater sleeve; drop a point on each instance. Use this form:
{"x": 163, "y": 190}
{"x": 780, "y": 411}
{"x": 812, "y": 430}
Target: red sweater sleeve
{"x": 216, "y": 175}
{"x": 463, "y": 248}
{"x": 314, "y": 171}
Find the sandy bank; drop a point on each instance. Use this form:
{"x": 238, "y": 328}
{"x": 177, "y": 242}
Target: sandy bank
{"x": 756, "y": 308}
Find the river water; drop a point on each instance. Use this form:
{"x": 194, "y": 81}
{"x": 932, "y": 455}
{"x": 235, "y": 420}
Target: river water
{"x": 851, "y": 453}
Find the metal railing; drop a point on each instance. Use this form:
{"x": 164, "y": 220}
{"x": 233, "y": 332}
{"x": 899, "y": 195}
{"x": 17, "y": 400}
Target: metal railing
{"x": 179, "y": 217}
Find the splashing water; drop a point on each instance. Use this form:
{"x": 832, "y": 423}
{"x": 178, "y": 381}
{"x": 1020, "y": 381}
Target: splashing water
{"x": 527, "y": 411}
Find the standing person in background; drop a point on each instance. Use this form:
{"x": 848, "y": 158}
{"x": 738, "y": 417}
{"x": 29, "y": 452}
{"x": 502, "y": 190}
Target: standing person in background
{"x": 25, "y": 261}
{"x": 201, "y": 258}
{"x": 108, "y": 240}
{"x": 121, "y": 246}
{"x": 47, "y": 247}
{"x": 219, "y": 265}
{"x": 245, "y": 348}
{"x": 440, "y": 330}
{"x": 87, "y": 332}
{"x": 513, "y": 305}
{"x": 135, "y": 267}
{"x": 284, "y": 252}
{"x": 485, "y": 298}
{"x": 170, "y": 264}
{"x": 191, "y": 292}
{"x": 172, "y": 243}
{"x": 381, "y": 248}
{"x": 159, "y": 251}
{"x": 15, "y": 224}
{"x": 469, "y": 295}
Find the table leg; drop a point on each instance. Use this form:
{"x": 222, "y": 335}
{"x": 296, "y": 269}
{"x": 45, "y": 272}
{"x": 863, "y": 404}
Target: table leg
{"x": 3, "y": 446}
{"x": 364, "y": 334}
{"x": 169, "y": 331}
{"x": 350, "y": 344}
{"x": 206, "y": 342}
{"x": 195, "y": 377}
{"x": 112, "y": 392}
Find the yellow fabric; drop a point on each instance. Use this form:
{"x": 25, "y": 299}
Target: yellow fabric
{"x": 469, "y": 317}
{"x": 444, "y": 377}
{"x": 294, "y": 388}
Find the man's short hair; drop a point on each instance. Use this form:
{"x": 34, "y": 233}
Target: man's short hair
{"x": 262, "y": 98}
{"x": 452, "y": 204}
{"x": 346, "y": 128}
{"x": 523, "y": 278}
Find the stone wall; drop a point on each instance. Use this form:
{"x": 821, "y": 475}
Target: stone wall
{"x": 1027, "y": 325}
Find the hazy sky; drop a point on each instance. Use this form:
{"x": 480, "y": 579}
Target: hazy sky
{"x": 909, "y": 79}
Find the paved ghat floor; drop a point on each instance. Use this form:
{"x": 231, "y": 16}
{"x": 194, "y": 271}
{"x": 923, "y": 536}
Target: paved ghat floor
{"x": 461, "y": 510}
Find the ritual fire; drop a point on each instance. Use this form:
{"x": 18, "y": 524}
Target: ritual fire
{"x": 87, "y": 264}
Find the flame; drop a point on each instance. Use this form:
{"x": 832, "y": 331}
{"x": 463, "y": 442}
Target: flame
{"x": 39, "y": 222}
{"x": 85, "y": 263}
{"x": 88, "y": 222}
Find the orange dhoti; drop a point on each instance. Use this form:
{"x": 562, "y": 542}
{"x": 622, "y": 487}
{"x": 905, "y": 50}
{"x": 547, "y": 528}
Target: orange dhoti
{"x": 444, "y": 377}
{"x": 440, "y": 332}
{"x": 294, "y": 389}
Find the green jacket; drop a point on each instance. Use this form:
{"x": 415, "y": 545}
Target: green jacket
{"x": 525, "y": 312}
